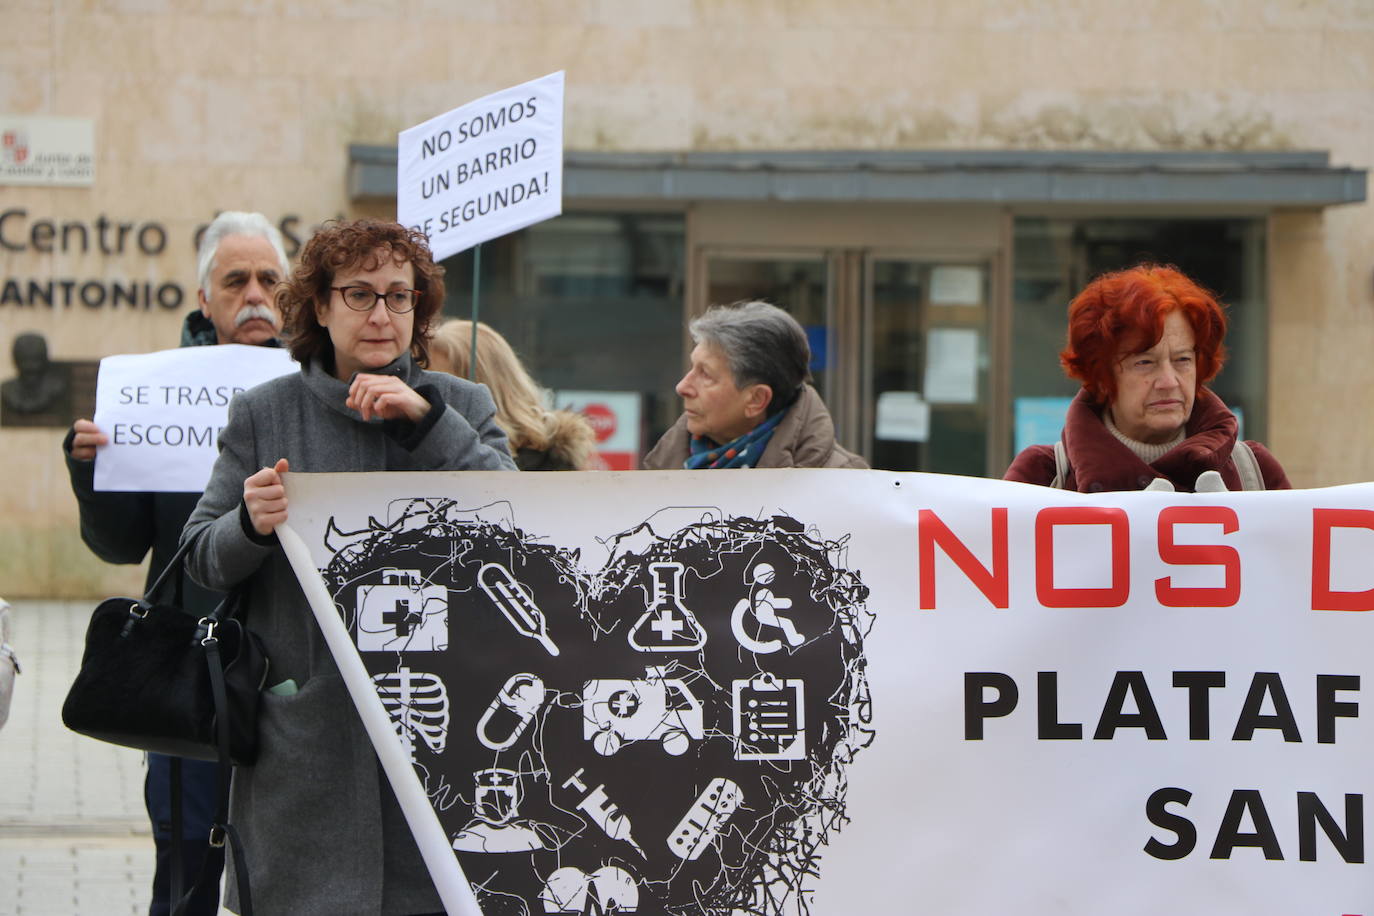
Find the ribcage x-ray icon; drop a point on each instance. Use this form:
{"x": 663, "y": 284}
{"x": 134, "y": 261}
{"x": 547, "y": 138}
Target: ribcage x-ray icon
{"x": 418, "y": 704}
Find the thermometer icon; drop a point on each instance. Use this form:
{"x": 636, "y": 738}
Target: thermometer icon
{"x": 510, "y": 596}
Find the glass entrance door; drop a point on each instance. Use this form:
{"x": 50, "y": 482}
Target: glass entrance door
{"x": 926, "y": 388}
{"x": 899, "y": 347}
{"x": 800, "y": 284}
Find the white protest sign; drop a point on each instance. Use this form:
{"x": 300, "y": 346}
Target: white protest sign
{"x": 162, "y": 412}
{"x": 483, "y": 170}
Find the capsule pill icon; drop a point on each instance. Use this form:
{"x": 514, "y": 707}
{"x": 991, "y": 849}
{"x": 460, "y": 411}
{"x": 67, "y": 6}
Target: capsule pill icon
{"x": 515, "y": 603}
{"x": 518, "y": 700}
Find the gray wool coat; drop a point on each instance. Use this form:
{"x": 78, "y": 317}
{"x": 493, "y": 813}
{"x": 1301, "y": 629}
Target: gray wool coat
{"x": 322, "y": 831}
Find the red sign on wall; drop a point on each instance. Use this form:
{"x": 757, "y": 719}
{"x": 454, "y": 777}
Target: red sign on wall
{"x": 615, "y": 418}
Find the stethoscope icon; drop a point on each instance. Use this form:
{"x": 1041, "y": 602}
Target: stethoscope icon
{"x": 764, "y": 605}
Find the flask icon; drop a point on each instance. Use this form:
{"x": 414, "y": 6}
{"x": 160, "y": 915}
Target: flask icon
{"x": 666, "y": 624}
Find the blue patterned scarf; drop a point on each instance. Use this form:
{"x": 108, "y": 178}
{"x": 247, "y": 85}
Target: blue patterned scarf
{"x": 743, "y": 452}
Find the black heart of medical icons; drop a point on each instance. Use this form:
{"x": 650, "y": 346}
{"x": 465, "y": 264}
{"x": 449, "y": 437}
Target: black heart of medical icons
{"x": 667, "y": 735}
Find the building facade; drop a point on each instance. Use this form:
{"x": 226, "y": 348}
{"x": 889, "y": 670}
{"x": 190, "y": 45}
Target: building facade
{"x": 924, "y": 185}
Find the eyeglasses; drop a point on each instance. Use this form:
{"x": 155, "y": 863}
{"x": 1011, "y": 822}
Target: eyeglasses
{"x": 364, "y": 299}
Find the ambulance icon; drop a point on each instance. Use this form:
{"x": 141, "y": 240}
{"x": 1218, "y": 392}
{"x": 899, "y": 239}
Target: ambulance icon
{"x": 616, "y": 711}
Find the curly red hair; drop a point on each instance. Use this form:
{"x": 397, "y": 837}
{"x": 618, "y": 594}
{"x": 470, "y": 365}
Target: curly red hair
{"x": 1123, "y": 312}
{"x": 339, "y": 246}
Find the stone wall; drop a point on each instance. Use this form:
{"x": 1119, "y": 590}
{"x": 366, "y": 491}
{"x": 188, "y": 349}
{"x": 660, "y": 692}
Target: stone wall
{"x": 251, "y": 104}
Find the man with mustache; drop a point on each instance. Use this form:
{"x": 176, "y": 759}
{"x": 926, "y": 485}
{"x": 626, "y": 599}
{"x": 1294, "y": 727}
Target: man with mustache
{"x": 241, "y": 262}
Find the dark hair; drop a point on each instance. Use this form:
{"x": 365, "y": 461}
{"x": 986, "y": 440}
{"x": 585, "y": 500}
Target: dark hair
{"x": 339, "y": 246}
{"x": 1123, "y": 312}
{"x": 762, "y": 344}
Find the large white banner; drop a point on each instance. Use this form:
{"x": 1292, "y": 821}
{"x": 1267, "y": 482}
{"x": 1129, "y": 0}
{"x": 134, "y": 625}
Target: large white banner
{"x": 485, "y": 169}
{"x": 162, "y": 412}
{"x": 838, "y": 692}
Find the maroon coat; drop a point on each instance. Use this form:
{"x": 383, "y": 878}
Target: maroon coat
{"x": 1098, "y": 461}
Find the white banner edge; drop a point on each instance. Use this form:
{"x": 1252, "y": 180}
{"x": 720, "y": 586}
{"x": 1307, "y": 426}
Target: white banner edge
{"x": 444, "y": 868}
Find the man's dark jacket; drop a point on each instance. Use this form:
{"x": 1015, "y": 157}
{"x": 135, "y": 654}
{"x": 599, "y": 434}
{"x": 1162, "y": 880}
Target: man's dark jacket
{"x": 121, "y": 527}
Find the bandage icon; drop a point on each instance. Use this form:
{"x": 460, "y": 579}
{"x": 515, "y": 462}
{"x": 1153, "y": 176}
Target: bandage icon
{"x": 704, "y": 820}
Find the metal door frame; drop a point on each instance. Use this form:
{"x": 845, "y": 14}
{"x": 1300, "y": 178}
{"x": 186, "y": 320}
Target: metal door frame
{"x": 849, "y": 315}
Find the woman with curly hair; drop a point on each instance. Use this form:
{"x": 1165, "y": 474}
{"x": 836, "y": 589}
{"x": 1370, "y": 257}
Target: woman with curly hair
{"x": 320, "y": 824}
{"x": 540, "y": 439}
{"x": 1144, "y": 342}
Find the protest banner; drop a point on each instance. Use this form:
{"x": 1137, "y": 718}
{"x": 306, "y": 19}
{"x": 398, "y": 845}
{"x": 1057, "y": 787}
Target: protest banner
{"x": 833, "y": 692}
{"x": 163, "y": 412}
{"x": 485, "y": 169}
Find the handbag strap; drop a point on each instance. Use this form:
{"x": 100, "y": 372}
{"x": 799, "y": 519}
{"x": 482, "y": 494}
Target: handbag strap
{"x": 1251, "y": 477}
{"x": 228, "y": 607}
{"x": 1061, "y": 465}
{"x": 220, "y": 828}
{"x": 174, "y": 565}
{"x": 178, "y": 859}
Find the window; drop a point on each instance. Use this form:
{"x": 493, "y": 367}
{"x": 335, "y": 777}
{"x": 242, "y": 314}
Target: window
{"x": 590, "y": 301}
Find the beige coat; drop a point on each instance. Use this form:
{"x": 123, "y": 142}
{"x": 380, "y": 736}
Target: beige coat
{"x": 804, "y": 439}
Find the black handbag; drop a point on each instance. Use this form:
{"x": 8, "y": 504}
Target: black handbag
{"x": 147, "y": 676}
{"x": 156, "y": 678}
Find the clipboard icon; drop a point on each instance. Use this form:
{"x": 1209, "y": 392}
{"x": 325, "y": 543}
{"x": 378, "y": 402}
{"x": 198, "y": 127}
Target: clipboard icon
{"x": 769, "y": 718}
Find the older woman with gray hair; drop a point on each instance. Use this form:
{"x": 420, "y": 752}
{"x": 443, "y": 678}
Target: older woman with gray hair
{"x": 746, "y": 402}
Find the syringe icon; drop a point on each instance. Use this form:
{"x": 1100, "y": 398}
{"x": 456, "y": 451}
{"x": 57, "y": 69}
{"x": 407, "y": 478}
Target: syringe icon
{"x": 603, "y": 812}
{"x": 510, "y": 596}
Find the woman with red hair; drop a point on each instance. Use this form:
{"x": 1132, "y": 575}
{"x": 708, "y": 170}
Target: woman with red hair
{"x": 1144, "y": 342}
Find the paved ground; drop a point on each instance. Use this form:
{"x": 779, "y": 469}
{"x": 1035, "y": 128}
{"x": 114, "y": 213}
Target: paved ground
{"x": 74, "y": 838}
